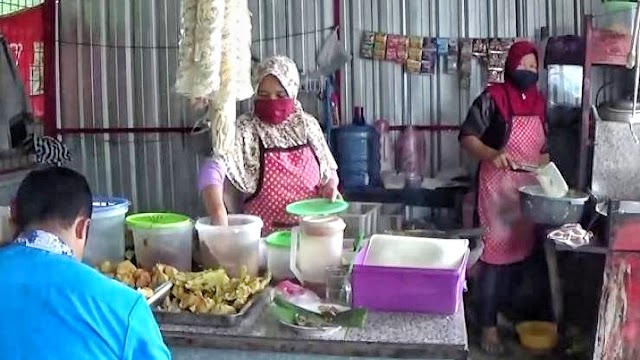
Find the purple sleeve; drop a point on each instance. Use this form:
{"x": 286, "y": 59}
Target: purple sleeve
{"x": 212, "y": 173}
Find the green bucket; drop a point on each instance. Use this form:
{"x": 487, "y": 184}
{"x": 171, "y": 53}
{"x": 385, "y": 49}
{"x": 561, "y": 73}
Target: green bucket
{"x": 146, "y": 221}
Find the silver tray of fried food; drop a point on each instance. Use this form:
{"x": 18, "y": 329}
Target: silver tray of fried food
{"x": 203, "y": 298}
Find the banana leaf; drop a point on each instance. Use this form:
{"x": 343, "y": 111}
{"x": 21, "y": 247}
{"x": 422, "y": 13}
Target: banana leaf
{"x": 288, "y": 312}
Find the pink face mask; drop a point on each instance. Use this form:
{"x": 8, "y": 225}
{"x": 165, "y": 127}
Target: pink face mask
{"x": 274, "y": 111}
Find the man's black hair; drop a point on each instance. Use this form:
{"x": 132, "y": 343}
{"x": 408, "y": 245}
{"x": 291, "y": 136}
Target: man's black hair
{"x": 54, "y": 194}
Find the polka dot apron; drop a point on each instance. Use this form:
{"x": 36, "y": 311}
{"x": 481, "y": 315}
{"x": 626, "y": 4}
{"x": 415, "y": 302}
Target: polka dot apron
{"x": 509, "y": 237}
{"x": 286, "y": 176}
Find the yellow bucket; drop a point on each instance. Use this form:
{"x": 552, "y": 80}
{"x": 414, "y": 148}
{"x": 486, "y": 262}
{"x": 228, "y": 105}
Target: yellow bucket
{"x": 538, "y": 335}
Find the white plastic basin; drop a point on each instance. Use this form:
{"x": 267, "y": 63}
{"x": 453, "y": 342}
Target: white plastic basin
{"x": 415, "y": 252}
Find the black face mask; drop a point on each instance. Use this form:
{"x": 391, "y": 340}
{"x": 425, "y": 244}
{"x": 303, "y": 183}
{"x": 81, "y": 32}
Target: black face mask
{"x": 523, "y": 79}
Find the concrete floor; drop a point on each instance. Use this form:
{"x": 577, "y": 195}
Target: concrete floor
{"x": 515, "y": 352}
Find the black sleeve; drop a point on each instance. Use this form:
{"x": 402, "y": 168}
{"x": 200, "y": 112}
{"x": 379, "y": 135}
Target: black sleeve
{"x": 545, "y": 147}
{"x": 479, "y": 117}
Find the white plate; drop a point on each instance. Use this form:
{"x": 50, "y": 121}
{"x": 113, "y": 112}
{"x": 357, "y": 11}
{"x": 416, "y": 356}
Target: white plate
{"x": 311, "y": 331}
{"x": 315, "y": 331}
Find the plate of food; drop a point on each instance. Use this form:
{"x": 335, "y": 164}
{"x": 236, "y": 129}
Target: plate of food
{"x": 320, "y": 320}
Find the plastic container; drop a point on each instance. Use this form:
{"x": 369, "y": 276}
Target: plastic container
{"x": 232, "y": 246}
{"x": 414, "y": 180}
{"x": 618, "y": 16}
{"x": 390, "y": 218}
{"x": 361, "y": 219}
{"x": 411, "y": 151}
{"x": 538, "y": 335}
{"x": 316, "y": 245}
{"x": 162, "y": 238}
{"x": 381, "y": 287}
{"x": 357, "y": 152}
{"x": 107, "y": 231}
{"x": 392, "y": 180}
{"x": 278, "y": 255}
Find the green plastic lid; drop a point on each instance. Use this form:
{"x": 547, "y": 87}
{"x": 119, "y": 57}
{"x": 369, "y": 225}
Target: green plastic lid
{"x": 279, "y": 239}
{"x": 317, "y": 207}
{"x": 613, "y": 6}
{"x": 158, "y": 221}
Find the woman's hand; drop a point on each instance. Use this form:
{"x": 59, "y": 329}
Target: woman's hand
{"x": 544, "y": 159}
{"x": 503, "y": 161}
{"x": 330, "y": 191}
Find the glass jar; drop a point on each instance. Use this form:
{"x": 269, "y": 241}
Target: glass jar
{"x": 338, "y": 289}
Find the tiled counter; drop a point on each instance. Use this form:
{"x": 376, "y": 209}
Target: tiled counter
{"x": 259, "y": 336}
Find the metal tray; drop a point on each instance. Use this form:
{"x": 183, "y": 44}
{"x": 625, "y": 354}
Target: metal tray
{"x": 191, "y": 319}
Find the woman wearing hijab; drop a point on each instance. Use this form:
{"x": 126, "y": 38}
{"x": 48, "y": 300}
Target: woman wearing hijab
{"x": 505, "y": 128}
{"x": 280, "y": 154}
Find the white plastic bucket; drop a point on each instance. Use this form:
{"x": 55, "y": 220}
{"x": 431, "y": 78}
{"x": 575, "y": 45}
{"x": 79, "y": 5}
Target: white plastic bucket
{"x": 162, "y": 238}
{"x": 106, "y": 239}
{"x": 278, "y": 255}
{"x": 232, "y": 246}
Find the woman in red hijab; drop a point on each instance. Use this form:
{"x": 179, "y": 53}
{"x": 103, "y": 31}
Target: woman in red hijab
{"x": 505, "y": 128}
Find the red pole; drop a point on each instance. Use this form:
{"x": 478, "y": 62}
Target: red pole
{"x": 49, "y": 22}
{"x": 337, "y": 23}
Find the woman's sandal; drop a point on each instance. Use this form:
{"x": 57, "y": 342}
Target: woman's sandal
{"x": 492, "y": 349}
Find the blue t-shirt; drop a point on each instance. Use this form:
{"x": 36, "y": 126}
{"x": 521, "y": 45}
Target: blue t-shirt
{"x": 55, "y": 307}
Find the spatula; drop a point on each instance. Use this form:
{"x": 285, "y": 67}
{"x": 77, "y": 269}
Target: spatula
{"x": 549, "y": 177}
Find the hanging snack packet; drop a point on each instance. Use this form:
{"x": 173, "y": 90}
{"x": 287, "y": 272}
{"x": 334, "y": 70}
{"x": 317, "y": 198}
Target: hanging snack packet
{"x": 380, "y": 46}
{"x": 366, "y": 45}
{"x": 413, "y": 66}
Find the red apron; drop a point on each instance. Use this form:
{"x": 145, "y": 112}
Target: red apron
{"x": 509, "y": 237}
{"x": 286, "y": 176}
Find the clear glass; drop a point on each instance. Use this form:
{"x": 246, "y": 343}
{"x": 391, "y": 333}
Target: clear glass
{"x": 338, "y": 289}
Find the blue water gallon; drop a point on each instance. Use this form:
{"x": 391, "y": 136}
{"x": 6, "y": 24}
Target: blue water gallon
{"x": 357, "y": 151}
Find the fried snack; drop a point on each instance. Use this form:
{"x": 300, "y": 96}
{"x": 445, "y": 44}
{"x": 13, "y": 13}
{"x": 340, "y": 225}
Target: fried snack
{"x": 146, "y": 292}
{"x": 204, "y": 292}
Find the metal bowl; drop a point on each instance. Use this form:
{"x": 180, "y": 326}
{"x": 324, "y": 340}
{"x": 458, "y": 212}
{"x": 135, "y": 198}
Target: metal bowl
{"x": 544, "y": 210}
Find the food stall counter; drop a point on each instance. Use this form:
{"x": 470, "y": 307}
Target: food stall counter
{"x": 385, "y": 336}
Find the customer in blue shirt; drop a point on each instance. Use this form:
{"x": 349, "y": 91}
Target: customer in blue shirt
{"x": 52, "y": 305}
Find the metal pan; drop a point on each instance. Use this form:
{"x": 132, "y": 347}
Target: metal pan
{"x": 191, "y": 319}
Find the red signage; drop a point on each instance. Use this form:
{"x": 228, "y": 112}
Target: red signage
{"x": 24, "y": 33}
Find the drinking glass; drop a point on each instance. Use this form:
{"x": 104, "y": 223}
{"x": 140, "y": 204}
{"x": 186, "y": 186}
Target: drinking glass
{"x": 338, "y": 289}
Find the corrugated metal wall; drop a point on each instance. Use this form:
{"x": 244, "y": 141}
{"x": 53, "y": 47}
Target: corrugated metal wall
{"x": 387, "y": 92}
{"x": 117, "y": 63}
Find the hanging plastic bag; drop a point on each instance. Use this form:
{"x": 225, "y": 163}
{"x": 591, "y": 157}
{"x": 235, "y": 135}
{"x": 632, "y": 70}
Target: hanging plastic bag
{"x": 332, "y": 55}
